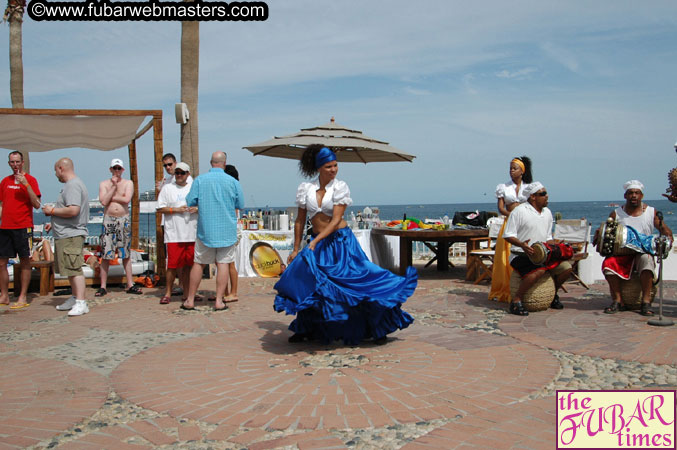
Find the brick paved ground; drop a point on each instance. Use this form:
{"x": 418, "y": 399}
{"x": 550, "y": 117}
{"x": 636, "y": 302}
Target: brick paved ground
{"x": 136, "y": 374}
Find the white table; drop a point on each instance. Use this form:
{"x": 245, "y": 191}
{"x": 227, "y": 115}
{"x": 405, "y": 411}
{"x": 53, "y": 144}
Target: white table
{"x": 384, "y": 254}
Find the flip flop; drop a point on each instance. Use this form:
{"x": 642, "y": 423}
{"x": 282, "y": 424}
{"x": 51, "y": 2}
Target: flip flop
{"x": 100, "y": 292}
{"x": 19, "y": 305}
{"x": 230, "y": 300}
{"x": 221, "y": 309}
{"x": 186, "y": 308}
{"x": 164, "y": 300}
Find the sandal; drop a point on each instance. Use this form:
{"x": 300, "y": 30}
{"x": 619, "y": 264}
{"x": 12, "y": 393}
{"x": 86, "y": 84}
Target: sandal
{"x": 164, "y": 300}
{"x": 646, "y": 309}
{"x": 134, "y": 290}
{"x": 100, "y": 292}
{"x": 613, "y": 308}
{"x": 517, "y": 309}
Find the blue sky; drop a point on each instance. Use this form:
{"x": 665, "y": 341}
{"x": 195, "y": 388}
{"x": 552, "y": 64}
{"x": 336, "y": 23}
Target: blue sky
{"x": 586, "y": 89}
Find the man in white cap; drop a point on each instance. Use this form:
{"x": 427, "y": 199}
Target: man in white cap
{"x": 527, "y": 224}
{"x": 115, "y": 194}
{"x": 180, "y": 227}
{"x": 642, "y": 218}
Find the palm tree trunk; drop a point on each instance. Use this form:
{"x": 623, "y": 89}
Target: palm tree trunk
{"x": 14, "y": 15}
{"x": 190, "y": 69}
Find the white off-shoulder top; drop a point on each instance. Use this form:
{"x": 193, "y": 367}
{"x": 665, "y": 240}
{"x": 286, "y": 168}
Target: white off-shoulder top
{"x": 508, "y": 192}
{"x": 337, "y": 193}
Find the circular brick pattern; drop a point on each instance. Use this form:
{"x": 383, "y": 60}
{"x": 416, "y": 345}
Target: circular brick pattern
{"x": 582, "y": 328}
{"x": 260, "y": 380}
{"x": 40, "y": 398}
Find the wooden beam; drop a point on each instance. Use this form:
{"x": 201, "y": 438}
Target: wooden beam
{"x": 134, "y": 175}
{"x": 144, "y": 129}
{"x": 160, "y": 268}
{"x": 81, "y": 112}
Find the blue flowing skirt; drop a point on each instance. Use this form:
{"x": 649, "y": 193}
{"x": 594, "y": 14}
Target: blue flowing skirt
{"x": 337, "y": 293}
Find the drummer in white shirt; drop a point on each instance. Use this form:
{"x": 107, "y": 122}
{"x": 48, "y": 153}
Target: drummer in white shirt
{"x": 529, "y": 223}
{"x": 643, "y": 219}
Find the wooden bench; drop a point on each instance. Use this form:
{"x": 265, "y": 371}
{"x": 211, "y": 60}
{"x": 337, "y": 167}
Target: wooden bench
{"x": 46, "y": 276}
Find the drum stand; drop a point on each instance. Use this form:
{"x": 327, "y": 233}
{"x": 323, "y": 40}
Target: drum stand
{"x": 661, "y": 321}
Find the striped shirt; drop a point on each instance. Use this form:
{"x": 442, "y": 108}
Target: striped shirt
{"x": 217, "y": 195}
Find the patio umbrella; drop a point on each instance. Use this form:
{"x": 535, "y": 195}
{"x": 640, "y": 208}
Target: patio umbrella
{"x": 349, "y": 145}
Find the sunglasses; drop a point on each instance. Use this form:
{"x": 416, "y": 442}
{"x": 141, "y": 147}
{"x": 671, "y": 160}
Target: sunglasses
{"x": 541, "y": 194}
{"x": 179, "y": 172}
{"x": 117, "y": 168}
{"x": 168, "y": 164}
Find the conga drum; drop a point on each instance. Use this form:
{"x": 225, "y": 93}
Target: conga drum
{"x": 612, "y": 239}
{"x": 540, "y": 255}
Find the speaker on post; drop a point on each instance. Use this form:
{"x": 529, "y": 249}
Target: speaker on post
{"x": 181, "y": 113}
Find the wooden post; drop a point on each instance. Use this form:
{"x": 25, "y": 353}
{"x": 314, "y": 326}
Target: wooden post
{"x": 134, "y": 175}
{"x": 159, "y": 235}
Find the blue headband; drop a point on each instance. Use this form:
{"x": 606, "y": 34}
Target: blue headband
{"x": 323, "y": 157}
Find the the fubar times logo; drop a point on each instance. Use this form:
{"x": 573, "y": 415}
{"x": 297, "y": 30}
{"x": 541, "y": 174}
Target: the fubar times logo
{"x": 616, "y": 419}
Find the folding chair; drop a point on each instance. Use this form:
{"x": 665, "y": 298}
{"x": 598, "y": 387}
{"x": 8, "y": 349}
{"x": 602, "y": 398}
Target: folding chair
{"x": 482, "y": 252}
{"x": 575, "y": 232}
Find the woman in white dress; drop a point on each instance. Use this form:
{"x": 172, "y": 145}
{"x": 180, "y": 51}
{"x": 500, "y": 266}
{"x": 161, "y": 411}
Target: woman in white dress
{"x": 509, "y": 195}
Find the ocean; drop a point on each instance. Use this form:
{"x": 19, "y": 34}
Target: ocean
{"x": 596, "y": 212}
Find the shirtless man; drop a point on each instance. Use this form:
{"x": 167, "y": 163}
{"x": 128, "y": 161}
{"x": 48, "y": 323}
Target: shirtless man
{"x": 115, "y": 194}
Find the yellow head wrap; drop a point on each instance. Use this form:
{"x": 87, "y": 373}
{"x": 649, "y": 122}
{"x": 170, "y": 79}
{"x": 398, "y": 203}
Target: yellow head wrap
{"x": 519, "y": 163}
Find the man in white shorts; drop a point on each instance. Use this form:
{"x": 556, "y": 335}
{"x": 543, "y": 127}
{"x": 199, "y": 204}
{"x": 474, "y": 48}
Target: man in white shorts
{"x": 217, "y": 196}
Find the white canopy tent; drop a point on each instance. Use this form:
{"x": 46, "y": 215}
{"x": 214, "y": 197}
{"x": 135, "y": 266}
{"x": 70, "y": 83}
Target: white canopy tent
{"x": 39, "y": 130}
{"x": 43, "y": 133}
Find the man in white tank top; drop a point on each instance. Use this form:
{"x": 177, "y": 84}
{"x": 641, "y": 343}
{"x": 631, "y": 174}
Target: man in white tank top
{"x": 642, "y": 218}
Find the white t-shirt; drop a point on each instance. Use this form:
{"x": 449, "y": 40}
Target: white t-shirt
{"x": 178, "y": 227}
{"x": 524, "y": 222}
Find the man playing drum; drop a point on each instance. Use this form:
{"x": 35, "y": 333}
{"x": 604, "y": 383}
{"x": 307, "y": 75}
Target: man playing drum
{"x": 642, "y": 218}
{"x": 529, "y": 223}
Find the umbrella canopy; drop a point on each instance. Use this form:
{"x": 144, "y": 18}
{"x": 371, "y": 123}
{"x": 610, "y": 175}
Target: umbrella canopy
{"x": 349, "y": 145}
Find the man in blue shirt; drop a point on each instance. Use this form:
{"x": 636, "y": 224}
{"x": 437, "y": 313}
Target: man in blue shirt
{"x": 217, "y": 196}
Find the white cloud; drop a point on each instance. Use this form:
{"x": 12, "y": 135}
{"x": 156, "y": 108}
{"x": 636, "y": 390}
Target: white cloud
{"x": 520, "y": 74}
{"x": 561, "y": 55}
{"x": 416, "y": 91}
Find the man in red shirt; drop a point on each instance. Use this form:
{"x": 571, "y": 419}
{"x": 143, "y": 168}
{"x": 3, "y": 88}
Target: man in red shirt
{"x": 19, "y": 194}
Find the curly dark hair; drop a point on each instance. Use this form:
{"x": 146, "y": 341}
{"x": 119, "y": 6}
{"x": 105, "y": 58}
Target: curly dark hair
{"x": 307, "y": 162}
{"x": 232, "y": 171}
{"x": 526, "y": 177}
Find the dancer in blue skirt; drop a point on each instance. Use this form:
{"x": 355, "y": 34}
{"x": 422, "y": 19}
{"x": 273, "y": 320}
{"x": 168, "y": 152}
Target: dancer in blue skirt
{"x": 331, "y": 286}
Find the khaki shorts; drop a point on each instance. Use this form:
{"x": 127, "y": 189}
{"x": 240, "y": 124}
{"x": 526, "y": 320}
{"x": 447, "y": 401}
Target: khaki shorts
{"x": 68, "y": 257}
{"x": 209, "y": 255}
